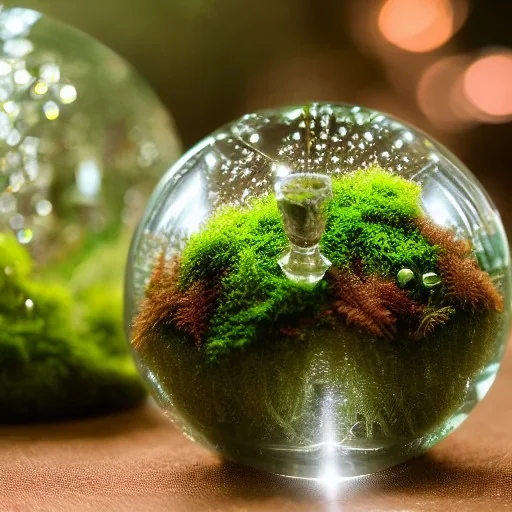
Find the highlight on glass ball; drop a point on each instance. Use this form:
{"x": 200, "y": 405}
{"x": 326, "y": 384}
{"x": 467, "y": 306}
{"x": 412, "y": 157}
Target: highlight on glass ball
{"x": 82, "y": 142}
{"x": 319, "y": 291}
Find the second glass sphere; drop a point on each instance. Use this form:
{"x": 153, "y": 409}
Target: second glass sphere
{"x": 83, "y": 141}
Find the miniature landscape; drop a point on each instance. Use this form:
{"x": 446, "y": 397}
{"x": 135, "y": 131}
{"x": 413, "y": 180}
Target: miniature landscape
{"x": 382, "y": 349}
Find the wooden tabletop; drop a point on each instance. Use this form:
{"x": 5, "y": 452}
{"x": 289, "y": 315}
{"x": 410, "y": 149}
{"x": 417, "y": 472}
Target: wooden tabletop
{"x": 137, "y": 461}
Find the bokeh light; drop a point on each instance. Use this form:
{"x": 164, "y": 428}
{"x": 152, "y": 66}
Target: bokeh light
{"x": 64, "y": 141}
{"x": 417, "y": 25}
{"x": 488, "y": 85}
{"x": 439, "y": 94}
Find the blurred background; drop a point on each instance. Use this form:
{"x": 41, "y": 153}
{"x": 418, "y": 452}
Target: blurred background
{"x": 442, "y": 65}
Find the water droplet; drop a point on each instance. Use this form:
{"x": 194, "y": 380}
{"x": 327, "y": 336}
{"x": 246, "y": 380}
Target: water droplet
{"x": 12, "y": 108}
{"x": 16, "y": 181}
{"x": 431, "y": 279}
{"x": 404, "y": 276}
{"x": 13, "y": 138}
{"x": 13, "y": 158}
{"x": 30, "y": 146}
{"x": 32, "y": 169}
{"x": 29, "y": 304}
{"x": 18, "y": 47}
{"x": 88, "y": 178}
{"x": 211, "y": 160}
{"x": 5, "y": 68}
{"x": 14, "y": 25}
{"x": 40, "y": 88}
{"x": 22, "y": 77}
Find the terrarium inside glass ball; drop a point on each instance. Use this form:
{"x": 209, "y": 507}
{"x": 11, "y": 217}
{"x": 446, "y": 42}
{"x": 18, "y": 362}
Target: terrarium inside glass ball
{"x": 319, "y": 291}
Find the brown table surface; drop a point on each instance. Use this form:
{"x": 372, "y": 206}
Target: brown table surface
{"x": 138, "y": 461}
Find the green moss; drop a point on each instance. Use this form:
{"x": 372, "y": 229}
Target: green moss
{"x": 221, "y": 244}
{"x": 96, "y": 286}
{"x": 369, "y": 220}
{"x": 277, "y": 393}
{"x": 252, "y": 302}
{"x": 58, "y": 360}
{"x": 14, "y": 258}
{"x": 241, "y": 249}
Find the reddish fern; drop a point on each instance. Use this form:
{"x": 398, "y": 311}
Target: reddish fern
{"x": 194, "y": 308}
{"x": 160, "y": 302}
{"x": 164, "y": 304}
{"x": 444, "y": 238}
{"x": 373, "y": 303}
{"x": 466, "y": 284}
{"x": 433, "y": 318}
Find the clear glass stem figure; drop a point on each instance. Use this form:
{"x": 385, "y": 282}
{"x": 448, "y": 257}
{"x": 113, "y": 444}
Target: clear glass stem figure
{"x": 302, "y": 199}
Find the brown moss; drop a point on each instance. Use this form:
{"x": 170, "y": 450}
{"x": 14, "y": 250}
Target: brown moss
{"x": 165, "y": 303}
{"x": 160, "y": 302}
{"x": 433, "y": 318}
{"x": 372, "y": 303}
{"x": 444, "y": 238}
{"x": 467, "y": 285}
{"x": 194, "y": 308}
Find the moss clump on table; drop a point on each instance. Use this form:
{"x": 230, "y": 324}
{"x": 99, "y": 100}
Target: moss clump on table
{"x": 248, "y": 356}
{"x": 61, "y": 356}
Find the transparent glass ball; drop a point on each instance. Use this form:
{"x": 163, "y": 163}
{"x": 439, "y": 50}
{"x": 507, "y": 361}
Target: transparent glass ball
{"x": 319, "y": 291}
{"x": 83, "y": 141}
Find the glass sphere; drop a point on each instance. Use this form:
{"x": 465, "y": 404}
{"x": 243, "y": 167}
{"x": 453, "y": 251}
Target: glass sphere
{"x": 83, "y": 141}
{"x": 319, "y": 291}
